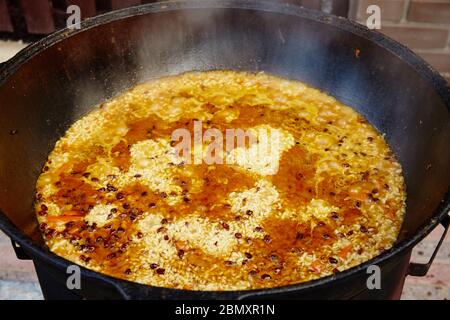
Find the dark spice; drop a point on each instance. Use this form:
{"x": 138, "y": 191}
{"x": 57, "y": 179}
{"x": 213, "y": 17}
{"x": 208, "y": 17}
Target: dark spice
{"x": 84, "y": 258}
{"x": 161, "y": 229}
{"x": 69, "y": 224}
{"x": 334, "y": 216}
{"x": 228, "y": 263}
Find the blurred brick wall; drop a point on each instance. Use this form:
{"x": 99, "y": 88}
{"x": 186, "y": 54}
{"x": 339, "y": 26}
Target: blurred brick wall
{"x": 422, "y": 25}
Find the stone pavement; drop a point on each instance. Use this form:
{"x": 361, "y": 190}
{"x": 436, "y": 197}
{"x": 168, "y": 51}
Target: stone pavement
{"x": 18, "y": 278}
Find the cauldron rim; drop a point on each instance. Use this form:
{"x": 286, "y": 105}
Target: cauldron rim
{"x": 427, "y": 72}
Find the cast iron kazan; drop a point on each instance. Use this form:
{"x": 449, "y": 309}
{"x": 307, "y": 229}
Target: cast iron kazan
{"x": 52, "y": 83}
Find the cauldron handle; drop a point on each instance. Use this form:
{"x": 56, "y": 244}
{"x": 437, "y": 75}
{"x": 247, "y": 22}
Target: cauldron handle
{"x": 421, "y": 269}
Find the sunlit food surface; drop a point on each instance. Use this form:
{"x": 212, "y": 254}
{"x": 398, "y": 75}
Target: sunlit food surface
{"x": 116, "y": 196}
